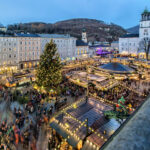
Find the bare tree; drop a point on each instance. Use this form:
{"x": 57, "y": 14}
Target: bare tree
{"x": 145, "y": 45}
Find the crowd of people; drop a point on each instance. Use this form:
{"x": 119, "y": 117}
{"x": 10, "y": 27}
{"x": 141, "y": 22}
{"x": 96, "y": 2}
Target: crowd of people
{"x": 140, "y": 86}
{"x": 130, "y": 95}
{"x": 29, "y": 119}
{"x": 70, "y": 89}
{"x": 23, "y": 130}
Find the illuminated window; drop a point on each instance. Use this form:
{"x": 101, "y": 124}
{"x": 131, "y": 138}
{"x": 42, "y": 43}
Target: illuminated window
{"x": 78, "y": 52}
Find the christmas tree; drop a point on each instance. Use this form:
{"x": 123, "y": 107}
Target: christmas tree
{"x": 49, "y": 75}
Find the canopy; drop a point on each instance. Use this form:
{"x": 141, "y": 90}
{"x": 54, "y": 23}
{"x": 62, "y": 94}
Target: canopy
{"x": 71, "y": 140}
{"x": 116, "y": 68}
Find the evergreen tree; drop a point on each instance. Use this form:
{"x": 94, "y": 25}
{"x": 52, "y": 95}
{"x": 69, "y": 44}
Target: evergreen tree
{"x": 49, "y": 70}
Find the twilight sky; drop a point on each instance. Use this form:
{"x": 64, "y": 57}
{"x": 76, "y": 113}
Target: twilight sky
{"x": 122, "y": 12}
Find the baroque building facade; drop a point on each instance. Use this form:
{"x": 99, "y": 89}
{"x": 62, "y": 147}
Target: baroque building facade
{"x": 130, "y": 43}
{"x": 24, "y": 50}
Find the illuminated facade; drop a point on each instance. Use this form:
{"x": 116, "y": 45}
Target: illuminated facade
{"x": 144, "y": 30}
{"x": 82, "y": 49}
{"x": 66, "y": 44}
{"x": 130, "y": 43}
{"x": 24, "y": 50}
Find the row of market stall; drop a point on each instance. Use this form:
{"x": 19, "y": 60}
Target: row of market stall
{"x": 83, "y": 125}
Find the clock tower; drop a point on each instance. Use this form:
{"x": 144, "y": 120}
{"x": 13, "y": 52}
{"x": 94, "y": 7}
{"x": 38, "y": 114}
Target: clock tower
{"x": 84, "y": 36}
{"x": 144, "y": 31}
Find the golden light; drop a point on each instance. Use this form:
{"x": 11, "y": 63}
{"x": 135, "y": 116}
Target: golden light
{"x": 67, "y": 125}
{"x": 74, "y": 106}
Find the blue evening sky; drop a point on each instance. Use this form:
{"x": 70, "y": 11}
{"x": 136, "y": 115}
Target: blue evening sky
{"x": 122, "y": 12}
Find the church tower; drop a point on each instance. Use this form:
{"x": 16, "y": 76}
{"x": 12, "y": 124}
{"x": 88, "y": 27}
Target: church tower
{"x": 84, "y": 36}
{"x": 144, "y": 30}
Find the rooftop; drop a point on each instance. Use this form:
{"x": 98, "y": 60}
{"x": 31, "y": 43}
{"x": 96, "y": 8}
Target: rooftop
{"x": 74, "y": 118}
{"x": 81, "y": 43}
{"x": 38, "y": 35}
{"x": 129, "y": 35}
{"x": 116, "y": 68}
{"x": 54, "y": 35}
{"x": 26, "y": 35}
{"x": 115, "y": 42}
{"x": 97, "y": 46}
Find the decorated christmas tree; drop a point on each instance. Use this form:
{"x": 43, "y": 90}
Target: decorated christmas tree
{"x": 48, "y": 76}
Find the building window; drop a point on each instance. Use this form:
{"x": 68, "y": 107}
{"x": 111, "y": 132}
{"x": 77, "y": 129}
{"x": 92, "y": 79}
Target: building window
{"x": 4, "y": 56}
{"x": 9, "y": 56}
{"x": 10, "y": 49}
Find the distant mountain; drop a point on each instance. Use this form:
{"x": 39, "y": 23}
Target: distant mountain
{"x": 96, "y": 30}
{"x": 134, "y": 30}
